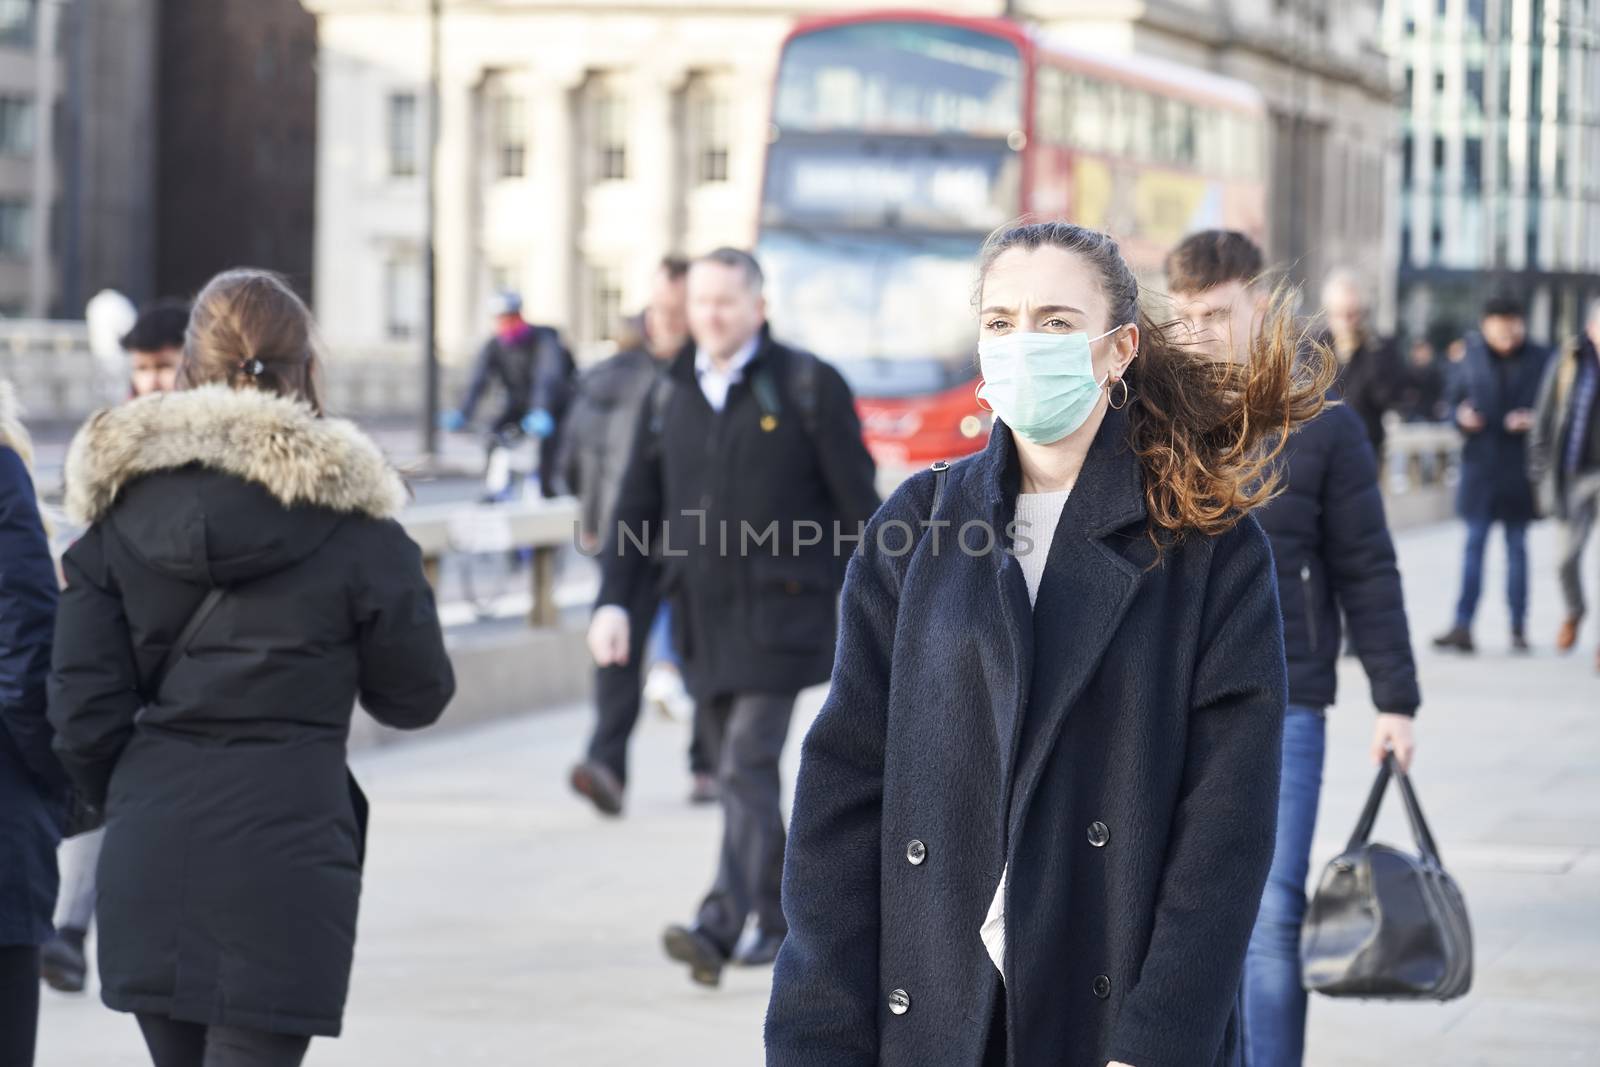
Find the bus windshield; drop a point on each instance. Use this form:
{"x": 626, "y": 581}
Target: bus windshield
{"x": 892, "y": 312}
{"x": 900, "y": 77}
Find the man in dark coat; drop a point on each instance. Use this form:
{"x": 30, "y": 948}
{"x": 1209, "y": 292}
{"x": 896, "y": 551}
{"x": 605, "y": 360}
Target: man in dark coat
{"x": 232, "y": 864}
{"x": 595, "y": 448}
{"x": 32, "y": 782}
{"x": 1564, "y": 461}
{"x": 1493, "y": 400}
{"x": 1335, "y": 559}
{"x": 1370, "y": 372}
{"x": 536, "y": 372}
{"x": 747, "y": 461}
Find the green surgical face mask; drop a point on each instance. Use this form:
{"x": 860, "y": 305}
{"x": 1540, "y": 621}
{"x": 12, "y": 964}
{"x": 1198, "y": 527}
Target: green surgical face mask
{"x": 1042, "y": 385}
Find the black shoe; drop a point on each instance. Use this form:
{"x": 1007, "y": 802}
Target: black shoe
{"x": 1519, "y": 643}
{"x": 693, "y": 946}
{"x": 705, "y": 790}
{"x": 597, "y": 782}
{"x": 61, "y": 962}
{"x": 1458, "y": 638}
{"x": 759, "y": 952}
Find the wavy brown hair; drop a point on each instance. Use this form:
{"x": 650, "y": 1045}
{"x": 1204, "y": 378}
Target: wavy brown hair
{"x": 249, "y": 330}
{"x": 1207, "y": 432}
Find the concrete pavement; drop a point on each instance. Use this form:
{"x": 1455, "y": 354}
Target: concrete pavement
{"x": 503, "y": 923}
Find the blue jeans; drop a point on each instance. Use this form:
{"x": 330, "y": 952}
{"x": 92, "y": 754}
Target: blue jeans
{"x": 1274, "y": 999}
{"x": 1516, "y": 572}
{"x": 661, "y": 650}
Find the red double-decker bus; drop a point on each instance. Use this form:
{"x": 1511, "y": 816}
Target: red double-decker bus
{"x": 899, "y": 140}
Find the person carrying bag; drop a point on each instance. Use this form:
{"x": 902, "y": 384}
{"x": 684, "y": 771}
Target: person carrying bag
{"x": 1384, "y": 923}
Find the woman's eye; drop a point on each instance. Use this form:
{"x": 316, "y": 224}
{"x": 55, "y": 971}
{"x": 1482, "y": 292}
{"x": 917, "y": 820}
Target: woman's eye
{"x": 996, "y": 324}
{"x": 1058, "y": 324}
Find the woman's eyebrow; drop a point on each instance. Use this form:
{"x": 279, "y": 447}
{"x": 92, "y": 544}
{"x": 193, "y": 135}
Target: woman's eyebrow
{"x": 1046, "y": 309}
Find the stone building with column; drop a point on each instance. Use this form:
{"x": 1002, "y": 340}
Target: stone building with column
{"x": 579, "y": 143}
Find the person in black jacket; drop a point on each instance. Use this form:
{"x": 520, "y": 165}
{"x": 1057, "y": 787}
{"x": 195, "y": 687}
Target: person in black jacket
{"x": 1035, "y": 815}
{"x": 1334, "y": 557}
{"x": 748, "y": 466}
{"x": 596, "y": 445}
{"x": 33, "y": 786}
{"x": 536, "y": 372}
{"x": 1370, "y": 372}
{"x": 211, "y": 729}
{"x": 1493, "y": 398}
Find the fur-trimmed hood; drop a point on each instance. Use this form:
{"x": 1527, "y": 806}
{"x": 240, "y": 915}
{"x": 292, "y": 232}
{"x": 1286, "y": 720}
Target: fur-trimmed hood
{"x": 13, "y": 434}
{"x": 270, "y": 441}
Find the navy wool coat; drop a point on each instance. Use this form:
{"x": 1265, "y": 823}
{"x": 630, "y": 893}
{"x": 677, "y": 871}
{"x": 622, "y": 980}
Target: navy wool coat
{"x": 1495, "y": 486}
{"x": 1118, "y": 745}
{"x": 33, "y": 787}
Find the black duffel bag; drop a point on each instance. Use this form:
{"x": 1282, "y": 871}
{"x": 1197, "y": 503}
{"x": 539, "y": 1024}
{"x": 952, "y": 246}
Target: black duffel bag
{"x": 1385, "y": 923}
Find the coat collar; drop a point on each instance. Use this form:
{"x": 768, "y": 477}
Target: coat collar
{"x": 271, "y": 441}
{"x": 1108, "y": 496}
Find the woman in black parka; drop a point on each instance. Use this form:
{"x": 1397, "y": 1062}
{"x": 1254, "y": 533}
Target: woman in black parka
{"x": 1035, "y": 816}
{"x": 33, "y": 787}
{"x": 231, "y": 869}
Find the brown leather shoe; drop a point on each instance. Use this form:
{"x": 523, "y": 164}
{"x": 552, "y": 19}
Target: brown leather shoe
{"x": 1567, "y": 636}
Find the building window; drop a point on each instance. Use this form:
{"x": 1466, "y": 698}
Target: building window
{"x": 402, "y": 135}
{"x": 610, "y": 123}
{"x": 606, "y": 302}
{"x": 16, "y": 126}
{"x": 1472, "y": 165}
{"x": 1438, "y": 81}
{"x": 712, "y": 113}
{"x": 1475, "y": 87}
{"x": 1475, "y": 15}
{"x": 19, "y": 21}
{"x": 510, "y": 136}
{"x": 16, "y": 220}
{"x": 1438, "y": 154}
{"x": 402, "y": 297}
{"x": 1405, "y": 162}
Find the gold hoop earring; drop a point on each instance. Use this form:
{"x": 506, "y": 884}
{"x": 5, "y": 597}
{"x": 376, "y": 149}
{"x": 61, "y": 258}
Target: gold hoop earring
{"x": 977, "y": 397}
{"x": 1116, "y": 382}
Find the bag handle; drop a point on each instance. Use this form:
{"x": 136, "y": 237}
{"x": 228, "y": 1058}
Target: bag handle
{"x": 1369, "y": 813}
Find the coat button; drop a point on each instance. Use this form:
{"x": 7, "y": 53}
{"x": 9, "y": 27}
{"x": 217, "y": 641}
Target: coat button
{"x": 916, "y": 852}
{"x": 1098, "y": 834}
{"x": 1102, "y": 986}
{"x": 899, "y": 1002}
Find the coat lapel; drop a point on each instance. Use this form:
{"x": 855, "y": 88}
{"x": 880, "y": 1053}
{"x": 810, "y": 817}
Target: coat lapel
{"x": 1087, "y": 587}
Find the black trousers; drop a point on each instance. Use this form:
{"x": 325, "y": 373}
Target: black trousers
{"x": 19, "y": 1004}
{"x": 617, "y": 690}
{"x": 753, "y": 728}
{"x": 180, "y": 1044}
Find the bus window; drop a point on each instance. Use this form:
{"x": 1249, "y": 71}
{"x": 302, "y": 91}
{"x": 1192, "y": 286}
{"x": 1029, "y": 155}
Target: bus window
{"x": 1185, "y": 154}
{"x": 1050, "y": 117}
{"x": 900, "y": 77}
{"x": 1093, "y": 121}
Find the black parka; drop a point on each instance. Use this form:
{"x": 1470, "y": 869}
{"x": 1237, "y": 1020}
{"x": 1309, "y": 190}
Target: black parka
{"x": 1336, "y": 563}
{"x": 1117, "y": 746}
{"x": 231, "y": 869}
{"x": 1495, "y": 485}
{"x": 749, "y": 555}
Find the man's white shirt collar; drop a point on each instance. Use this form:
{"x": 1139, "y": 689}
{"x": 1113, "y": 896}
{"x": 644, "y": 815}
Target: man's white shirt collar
{"x": 715, "y": 383}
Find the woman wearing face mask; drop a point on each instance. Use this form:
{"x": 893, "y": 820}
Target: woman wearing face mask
{"x": 1035, "y": 815}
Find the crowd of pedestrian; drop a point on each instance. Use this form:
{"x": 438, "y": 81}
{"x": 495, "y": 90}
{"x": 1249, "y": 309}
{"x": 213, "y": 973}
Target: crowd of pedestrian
{"x": 1079, "y": 666}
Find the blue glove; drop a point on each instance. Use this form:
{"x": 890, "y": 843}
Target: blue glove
{"x": 451, "y": 421}
{"x": 539, "y": 423}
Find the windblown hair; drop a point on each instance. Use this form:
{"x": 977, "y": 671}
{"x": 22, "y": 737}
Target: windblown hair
{"x": 248, "y": 330}
{"x": 1207, "y": 432}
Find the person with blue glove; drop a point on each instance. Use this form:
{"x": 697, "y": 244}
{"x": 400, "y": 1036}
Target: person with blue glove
{"x": 536, "y": 372}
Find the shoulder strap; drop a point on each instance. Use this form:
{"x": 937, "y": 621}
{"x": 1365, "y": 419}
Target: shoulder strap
{"x": 941, "y": 471}
{"x": 184, "y": 640}
{"x": 801, "y": 382}
{"x": 660, "y": 397}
